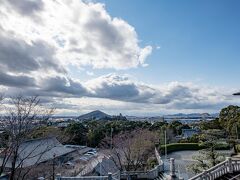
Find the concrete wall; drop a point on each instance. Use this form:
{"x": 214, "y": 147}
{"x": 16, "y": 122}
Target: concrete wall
{"x": 151, "y": 174}
{"x": 84, "y": 178}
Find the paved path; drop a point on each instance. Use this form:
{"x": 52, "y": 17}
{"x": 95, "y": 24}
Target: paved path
{"x": 183, "y": 159}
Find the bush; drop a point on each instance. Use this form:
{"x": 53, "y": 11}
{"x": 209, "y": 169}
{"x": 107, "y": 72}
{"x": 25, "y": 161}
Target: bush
{"x": 151, "y": 162}
{"x": 238, "y": 147}
{"x": 222, "y": 146}
{"x": 190, "y": 146}
{"x": 180, "y": 147}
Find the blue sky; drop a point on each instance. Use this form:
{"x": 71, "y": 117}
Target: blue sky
{"x": 137, "y": 57}
{"x": 199, "y": 40}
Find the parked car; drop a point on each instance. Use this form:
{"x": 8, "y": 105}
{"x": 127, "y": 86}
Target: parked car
{"x": 92, "y": 150}
{"x": 69, "y": 165}
{"x": 84, "y": 158}
{"x": 92, "y": 153}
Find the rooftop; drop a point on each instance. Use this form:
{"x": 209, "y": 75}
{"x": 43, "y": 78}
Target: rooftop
{"x": 40, "y": 150}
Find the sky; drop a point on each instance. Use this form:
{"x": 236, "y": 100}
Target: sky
{"x": 133, "y": 57}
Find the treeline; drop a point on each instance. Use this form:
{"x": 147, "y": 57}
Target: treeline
{"x": 96, "y": 133}
{"x": 228, "y": 121}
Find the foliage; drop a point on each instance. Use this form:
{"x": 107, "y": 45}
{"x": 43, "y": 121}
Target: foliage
{"x": 195, "y": 138}
{"x": 208, "y": 157}
{"x": 212, "y": 133}
{"x": 213, "y": 124}
{"x": 158, "y": 126}
{"x": 222, "y": 146}
{"x": 191, "y": 146}
{"x": 97, "y": 132}
{"x": 151, "y": 162}
{"x": 49, "y": 131}
{"x": 94, "y": 132}
{"x": 229, "y": 119}
{"x": 177, "y": 127}
{"x": 77, "y": 133}
{"x": 180, "y": 146}
{"x": 238, "y": 148}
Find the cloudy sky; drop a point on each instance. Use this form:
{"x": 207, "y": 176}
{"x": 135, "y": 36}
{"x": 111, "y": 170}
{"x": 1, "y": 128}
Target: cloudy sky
{"x": 134, "y": 57}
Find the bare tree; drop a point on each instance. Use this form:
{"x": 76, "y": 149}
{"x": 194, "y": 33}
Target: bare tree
{"x": 23, "y": 115}
{"x": 131, "y": 150}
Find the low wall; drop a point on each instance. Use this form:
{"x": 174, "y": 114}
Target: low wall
{"x": 110, "y": 176}
{"x": 151, "y": 174}
{"x": 84, "y": 178}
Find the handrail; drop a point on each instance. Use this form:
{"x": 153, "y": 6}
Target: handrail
{"x": 197, "y": 176}
{"x": 217, "y": 165}
{"x": 235, "y": 177}
{"x": 225, "y": 167}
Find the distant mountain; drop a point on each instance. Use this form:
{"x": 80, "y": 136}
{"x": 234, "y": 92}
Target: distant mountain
{"x": 180, "y": 115}
{"x": 96, "y": 115}
{"x": 192, "y": 115}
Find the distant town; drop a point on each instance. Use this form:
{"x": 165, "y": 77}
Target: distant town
{"x": 99, "y": 115}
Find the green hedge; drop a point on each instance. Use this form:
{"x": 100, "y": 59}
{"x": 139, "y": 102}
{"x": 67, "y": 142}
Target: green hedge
{"x": 180, "y": 146}
{"x": 222, "y": 146}
{"x": 189, "y": 146}
{"x": 238, "y": 147}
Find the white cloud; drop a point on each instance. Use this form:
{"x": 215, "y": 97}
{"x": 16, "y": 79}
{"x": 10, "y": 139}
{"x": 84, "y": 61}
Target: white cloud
{"x": 41, "y": 39}
{"x": 90, "y": 73}
{"x": 117, "y": 92}
{"x": 174, "y": 95}
{"x": 83, "y": 33}
{"x": 144, "y": 54}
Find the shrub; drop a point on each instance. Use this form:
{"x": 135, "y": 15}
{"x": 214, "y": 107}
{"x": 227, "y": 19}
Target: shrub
{"x": 151, "y": 162}
{"x": 180, "y": 146}
{"x": 222, "y": 146}
{"x": 238, "y": 147}
{"x": 190, "y": 146}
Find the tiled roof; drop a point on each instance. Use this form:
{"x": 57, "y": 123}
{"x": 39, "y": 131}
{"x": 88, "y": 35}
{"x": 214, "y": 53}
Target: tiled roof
{"x": 40, "y": 150}
{"x": 107, "y": 165}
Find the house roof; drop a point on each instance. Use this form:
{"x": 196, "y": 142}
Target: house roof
{"x": 190, "y": 130}
{"x": 105, "y": 166}
{"x": 35, "y": 151}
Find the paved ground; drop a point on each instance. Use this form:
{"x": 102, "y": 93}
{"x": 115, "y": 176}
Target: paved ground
{"x": 183, "y": 159}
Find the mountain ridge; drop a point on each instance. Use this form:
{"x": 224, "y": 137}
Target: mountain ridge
{"x": 96, "y": 115}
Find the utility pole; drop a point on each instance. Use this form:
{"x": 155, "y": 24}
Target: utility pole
{"x": 165, "y": 145}
{"x": 237, "y": 131}
{"x": 100, "y": 168}
{"x": 53, "y": 167}
{"x": 111, "y": 138}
